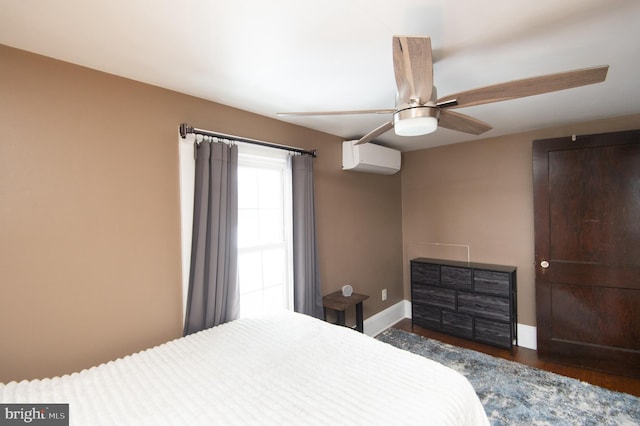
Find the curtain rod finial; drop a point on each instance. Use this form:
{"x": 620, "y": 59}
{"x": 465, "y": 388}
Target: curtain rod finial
{"x": 185, "y": 129}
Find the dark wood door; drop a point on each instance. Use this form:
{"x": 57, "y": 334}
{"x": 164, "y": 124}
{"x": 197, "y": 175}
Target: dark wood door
{"x": 587, "y": 250}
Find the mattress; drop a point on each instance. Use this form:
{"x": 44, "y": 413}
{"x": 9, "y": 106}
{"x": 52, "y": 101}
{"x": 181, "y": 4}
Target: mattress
{"x": 280, "y": 369}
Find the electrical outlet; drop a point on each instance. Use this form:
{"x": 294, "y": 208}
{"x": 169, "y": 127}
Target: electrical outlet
{"x": 384, "y": 294}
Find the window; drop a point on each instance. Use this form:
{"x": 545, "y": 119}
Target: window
{"x": 265, "y": 263}
{"x": 265, "y": 268}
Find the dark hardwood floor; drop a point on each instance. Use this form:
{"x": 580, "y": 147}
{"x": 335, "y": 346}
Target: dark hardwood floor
{"x": 530, "y": 357}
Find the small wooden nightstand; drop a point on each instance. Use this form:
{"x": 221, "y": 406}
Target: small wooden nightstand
{"x": 339, "y": 303}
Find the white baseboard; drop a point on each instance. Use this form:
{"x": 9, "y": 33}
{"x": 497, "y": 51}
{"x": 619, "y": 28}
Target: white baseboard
{"x": 527, "y": 336}
{"x": 379, "y": 322}
{"x": 376, "y": 324}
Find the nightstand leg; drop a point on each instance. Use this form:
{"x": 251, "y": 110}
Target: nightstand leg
{"x": 359, "y": 318}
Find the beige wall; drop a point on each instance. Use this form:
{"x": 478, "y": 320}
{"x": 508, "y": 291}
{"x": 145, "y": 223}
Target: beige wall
{"x": 476, "y": 199}
{"x": 89, "y": 214}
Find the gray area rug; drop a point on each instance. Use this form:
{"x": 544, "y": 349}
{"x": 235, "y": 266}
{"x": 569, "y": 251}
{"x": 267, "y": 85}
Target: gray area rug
{"x": 516, "y": 394}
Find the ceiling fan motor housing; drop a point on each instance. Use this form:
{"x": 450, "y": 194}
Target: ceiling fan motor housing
{"x": 416, "y": 120}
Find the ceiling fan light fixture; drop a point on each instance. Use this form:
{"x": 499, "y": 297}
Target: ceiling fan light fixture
{"x": 415, "y": 121}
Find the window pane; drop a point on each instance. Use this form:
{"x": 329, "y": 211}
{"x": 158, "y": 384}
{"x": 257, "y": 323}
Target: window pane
{"x": 271, "y": 226}
{"x": 251, "y": 304}
{"x": 247, "y": 188}
{"x": 274, "y": 267}
{"x": 249, "y": 272}
{"x": 270, "y": 194}
{"x": 274, "y": 298}
{"x": 248, "y": 227}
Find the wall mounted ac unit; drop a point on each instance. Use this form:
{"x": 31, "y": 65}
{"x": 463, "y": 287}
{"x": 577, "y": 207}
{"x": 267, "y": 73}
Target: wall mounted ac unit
{"x": 370, "y": 158}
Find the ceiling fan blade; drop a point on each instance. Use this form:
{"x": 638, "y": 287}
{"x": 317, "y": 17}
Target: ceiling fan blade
{"x": 375, "y": 133}
{"x": 413, "y": 68}
{"x": 527, "y": 87}
{"x": 361, "y": 111}
{"x": 462, "y": 123}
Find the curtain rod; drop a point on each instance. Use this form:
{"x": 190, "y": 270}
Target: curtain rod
{"x": 185, "y": 129}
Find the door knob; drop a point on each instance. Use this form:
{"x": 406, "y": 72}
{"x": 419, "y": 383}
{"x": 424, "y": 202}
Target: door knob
{"x": 544, "y": 264}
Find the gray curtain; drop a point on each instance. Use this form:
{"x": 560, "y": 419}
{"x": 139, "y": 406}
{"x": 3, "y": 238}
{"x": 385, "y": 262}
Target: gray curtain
{"x": 213, "y": 286}
{"x": 306, "y": 276}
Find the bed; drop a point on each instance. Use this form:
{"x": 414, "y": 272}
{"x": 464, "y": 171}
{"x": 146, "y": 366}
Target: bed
{"x": 284, "y": 368}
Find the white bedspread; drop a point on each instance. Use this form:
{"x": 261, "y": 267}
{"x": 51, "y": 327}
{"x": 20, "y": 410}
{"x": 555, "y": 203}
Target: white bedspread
{"x": 282, "y": 369}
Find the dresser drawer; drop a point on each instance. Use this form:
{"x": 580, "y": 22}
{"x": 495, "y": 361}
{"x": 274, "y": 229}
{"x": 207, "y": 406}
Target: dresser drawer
{"x": 493, "y": 332}
{"x": 426, "y": 316}
{"x": 458, "y": 324}
{"x": 434, "y": 296}
{"x": 458, "y": 278}
{"x": 486, "y": 306}
{"x": 425, "y": 273}
{"x": 491, "y": 282}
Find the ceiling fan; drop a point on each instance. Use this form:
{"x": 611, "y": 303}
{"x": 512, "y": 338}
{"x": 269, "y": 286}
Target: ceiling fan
{"x": 419, "y": 111}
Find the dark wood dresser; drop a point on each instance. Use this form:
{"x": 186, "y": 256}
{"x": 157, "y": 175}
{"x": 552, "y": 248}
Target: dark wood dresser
{"x": 476, "y": 301}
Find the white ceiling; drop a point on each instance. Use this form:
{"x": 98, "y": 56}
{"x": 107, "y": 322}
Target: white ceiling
{"x": 292, "y": 55}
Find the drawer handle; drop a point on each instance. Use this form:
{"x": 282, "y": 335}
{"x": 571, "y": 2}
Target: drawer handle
{"x": 544, "y": 264}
